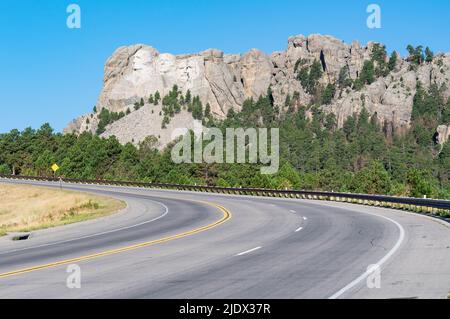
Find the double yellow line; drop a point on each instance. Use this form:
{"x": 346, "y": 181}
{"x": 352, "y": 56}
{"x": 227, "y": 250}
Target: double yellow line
{"x": 226, "y": 216}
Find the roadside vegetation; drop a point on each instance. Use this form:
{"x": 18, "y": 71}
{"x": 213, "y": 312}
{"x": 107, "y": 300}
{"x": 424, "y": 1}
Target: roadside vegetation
{"x": 26, "y": 208}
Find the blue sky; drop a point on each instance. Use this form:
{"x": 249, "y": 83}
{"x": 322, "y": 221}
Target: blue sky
{"x": 50, "y": 73}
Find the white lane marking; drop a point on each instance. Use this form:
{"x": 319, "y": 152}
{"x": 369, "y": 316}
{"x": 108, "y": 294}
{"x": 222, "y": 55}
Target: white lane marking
{"x": 299, "y": 229}
{"x": 249, "y": 251}
{"x": 166, "y": 211}
{"x": 379, "y": 263}
{"x": 292, "y": 211}
{"x": 305, "y": 218}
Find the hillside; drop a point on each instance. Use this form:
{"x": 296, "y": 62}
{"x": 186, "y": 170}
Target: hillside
{"x": 351, "y": 118}
{"x": 317, "y": 70}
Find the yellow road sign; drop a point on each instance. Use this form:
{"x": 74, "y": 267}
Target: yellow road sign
{"x": 55, "y": 167}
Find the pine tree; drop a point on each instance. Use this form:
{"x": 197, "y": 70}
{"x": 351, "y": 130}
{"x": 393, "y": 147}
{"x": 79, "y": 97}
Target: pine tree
{"x": 315, "y": 74}
{"x": 343, "y": 79}
{"x": 416, "y": 55}
{"x": 328, "y": 94}
{"x": 207, "y": 110}
{"x": 188, "y": 97}
{"x": 429, "y": 55}
{"x": 392, "y": 61}
{"x": 157, "y": 97}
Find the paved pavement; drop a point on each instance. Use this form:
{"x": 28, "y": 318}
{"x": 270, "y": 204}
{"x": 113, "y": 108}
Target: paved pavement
{"x": 170, "y": 244}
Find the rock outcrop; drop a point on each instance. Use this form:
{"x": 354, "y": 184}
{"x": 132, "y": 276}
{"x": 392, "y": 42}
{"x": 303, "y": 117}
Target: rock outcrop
{"x": 226, "y": 80}
{"x": 442, "y": 134}
{"x": 146, "y": 121}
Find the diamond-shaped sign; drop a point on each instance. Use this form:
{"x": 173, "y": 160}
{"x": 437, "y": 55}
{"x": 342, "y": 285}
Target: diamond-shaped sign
{"x": 55, "y": 167}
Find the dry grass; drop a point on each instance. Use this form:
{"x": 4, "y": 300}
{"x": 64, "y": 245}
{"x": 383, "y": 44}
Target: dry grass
{"x": 25, "y": 208}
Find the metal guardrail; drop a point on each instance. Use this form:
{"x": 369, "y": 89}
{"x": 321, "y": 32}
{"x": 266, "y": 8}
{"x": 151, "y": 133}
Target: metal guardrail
{"x": 435, "y": 206}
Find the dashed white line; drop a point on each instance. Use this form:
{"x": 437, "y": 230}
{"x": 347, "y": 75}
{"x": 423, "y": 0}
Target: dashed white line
{"x": 298, "y": 229}
{"x": 305, "y": 218}
{"x": 292, "y": 211}
{"x": 249, "y": 251}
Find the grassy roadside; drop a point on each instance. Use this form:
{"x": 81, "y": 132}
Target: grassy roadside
{"x": 26, "y": 208}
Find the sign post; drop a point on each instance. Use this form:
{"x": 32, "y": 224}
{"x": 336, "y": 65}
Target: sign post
{"x": 55, "y": 168}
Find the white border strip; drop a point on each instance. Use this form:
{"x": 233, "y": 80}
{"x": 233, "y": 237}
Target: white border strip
{"x": 166, "y": 211}
{"x": 379, "y": 263}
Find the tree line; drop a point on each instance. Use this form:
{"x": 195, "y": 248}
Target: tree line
{"x": 315, "y": 154}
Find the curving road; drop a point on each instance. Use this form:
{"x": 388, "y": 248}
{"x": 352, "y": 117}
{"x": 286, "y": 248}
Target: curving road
{"x": 169, "y": 244}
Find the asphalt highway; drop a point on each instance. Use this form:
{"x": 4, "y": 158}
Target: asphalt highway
{"x": 171, "y": 244}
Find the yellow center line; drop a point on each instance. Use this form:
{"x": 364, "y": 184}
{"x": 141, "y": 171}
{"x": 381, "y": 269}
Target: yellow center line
{"x": 226, "y": 216}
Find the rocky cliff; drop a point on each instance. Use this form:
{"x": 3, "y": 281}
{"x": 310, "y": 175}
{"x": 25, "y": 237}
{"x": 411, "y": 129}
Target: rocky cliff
{"x": 226, "y": 80}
